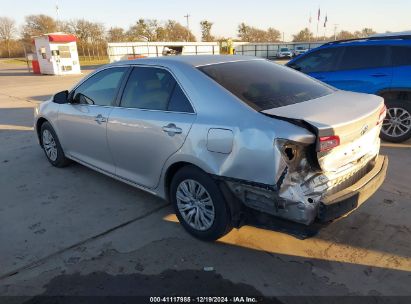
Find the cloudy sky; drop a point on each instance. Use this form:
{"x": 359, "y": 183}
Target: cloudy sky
{"x": 286, "y": 16}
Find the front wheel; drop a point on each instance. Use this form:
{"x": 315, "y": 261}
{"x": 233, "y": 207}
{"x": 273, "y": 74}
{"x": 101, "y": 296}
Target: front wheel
{"x": 51, "y": 146}
{"x": 199, "y": 204}
{"x": 396, "y": 126}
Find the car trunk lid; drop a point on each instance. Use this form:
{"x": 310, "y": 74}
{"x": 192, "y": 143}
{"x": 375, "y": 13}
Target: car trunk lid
{"x": 351, "y": 117}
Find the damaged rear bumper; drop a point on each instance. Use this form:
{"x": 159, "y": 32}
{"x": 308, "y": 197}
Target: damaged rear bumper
{"x": 267, "y": 199}
{"x": 349, "y": 199}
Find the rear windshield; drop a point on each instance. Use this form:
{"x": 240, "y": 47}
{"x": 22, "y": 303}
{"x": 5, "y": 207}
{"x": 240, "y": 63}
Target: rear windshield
{"x": 265, "y": 85}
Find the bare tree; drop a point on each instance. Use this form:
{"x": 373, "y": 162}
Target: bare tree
{"x": 206, "y": 31}
{"x": 7, "y": 31}
{"x": 37, "y": 25}
{"x": 273, "y": 35}
{"x": 116, "y": 34}
{"x": 252, "y": 34}
{"x": 344, "y": 35}
{"x": 303, "y": 35}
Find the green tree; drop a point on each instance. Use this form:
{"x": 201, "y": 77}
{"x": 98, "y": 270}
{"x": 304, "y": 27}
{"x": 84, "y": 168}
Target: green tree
{"x": 206, "y": 31}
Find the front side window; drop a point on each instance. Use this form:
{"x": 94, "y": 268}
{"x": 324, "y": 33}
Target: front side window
{"x": 401, "y": 55}
{"x": 364, "y": 57}
{"x": 154, "y": 89}
{"x": 318, "y": 61}
{"x": 265, "y": 85}
{"x": 101, "y": 88}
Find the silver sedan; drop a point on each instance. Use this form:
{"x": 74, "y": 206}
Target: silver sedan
{"x": 219, "y": 136}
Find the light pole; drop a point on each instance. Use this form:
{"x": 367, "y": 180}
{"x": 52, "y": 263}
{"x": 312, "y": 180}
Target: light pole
{"x": 188, "y": 26}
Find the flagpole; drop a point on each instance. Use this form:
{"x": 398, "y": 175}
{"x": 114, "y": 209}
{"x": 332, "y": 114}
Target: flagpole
{"x": 318, "y": 19}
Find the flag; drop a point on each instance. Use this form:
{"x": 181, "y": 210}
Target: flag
{"x": 319, "y": 14}
{"x": 325, "y": 21}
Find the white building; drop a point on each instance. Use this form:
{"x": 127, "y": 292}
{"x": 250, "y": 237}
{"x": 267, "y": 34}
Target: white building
{"x": 57, "y": 54}
{"x": 130, "y": 50}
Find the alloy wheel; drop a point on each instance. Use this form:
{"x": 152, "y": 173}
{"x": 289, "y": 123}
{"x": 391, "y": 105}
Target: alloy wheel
{"x": 195, "y": 205}
{"x": 397, "y": 122}
{"x": 49, "y": 145}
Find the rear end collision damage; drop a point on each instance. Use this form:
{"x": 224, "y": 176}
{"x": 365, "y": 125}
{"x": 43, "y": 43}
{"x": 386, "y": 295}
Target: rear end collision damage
{"x": 304, "y": 193}
{"x": 317, "y": 181}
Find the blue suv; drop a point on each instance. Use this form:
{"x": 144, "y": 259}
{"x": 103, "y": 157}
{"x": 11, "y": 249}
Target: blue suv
{"x": 378, "y": 65}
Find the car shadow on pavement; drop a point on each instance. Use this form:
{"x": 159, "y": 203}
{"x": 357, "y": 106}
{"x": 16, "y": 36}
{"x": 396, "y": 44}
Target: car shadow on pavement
{"x": 171, "y": 283}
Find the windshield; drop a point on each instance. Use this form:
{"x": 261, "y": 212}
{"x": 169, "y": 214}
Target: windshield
{"x": 284, "y": 49}
{"x": 265, "y": 85}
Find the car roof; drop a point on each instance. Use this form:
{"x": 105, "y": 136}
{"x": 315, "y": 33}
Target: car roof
{"x": 372, "y": 40}
{"x": 192, "y": 60}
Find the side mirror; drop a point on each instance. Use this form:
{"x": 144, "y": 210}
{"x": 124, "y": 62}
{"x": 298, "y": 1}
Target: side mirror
{"x": 61, "y": 97}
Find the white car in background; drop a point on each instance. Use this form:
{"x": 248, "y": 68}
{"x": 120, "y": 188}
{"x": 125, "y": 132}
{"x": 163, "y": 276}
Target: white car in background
{"x": 284, "y": 52}
{"x": 299, "y": 50}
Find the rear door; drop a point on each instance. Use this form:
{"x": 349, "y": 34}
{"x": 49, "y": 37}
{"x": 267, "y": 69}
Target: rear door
{"x": 150, "y": 124}
{"x": 401, "y": 61}
{"x": 365, "y": 69}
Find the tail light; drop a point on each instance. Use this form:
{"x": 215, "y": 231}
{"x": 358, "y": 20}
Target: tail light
{"x": 329, "y": 142}
{"x": 383, "y": 113}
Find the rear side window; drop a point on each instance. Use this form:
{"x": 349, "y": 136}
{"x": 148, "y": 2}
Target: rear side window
{"x": 364, "y": 57}
{"x": 179, "y": 102}
{"x": 265, "y": 85}
{"x": 323, "y": 60}
{"x": 401, "y": 55}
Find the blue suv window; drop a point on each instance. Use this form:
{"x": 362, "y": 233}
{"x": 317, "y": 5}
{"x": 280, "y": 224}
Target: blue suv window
{"x": 401, "y": 55}
{"x": 323, "y": 60}
{"x": 364, "y": 57}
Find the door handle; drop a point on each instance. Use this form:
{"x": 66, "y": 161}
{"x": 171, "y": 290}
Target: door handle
{"x": 379, "y": 75}
{"x": 172, "y": 129}
{"x": 100, "y": 119}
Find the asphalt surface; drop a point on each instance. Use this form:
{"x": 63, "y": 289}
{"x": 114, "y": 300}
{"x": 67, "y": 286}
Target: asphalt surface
{"x": 74, "y": 231}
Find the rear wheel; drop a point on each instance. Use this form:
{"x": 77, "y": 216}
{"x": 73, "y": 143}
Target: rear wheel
{"x": 396, "y": 126}
{"x": 51, "y": 146}
{"x": 199, "y": 204}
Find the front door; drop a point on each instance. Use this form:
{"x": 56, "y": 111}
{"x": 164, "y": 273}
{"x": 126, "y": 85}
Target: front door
{"x": 83, "y": 122}
{"x": 151, "y": 124}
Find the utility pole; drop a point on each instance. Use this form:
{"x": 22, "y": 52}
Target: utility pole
{"x": 188, "y": 26}
{"x": 57, "y": 12}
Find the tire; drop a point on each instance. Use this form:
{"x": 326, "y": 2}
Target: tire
{"x": 396, "y": 127}
{"x": 191, "y": 178}
{"x": 51, "y": 146}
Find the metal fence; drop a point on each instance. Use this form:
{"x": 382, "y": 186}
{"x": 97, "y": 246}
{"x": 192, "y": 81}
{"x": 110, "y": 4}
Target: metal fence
{"x": 270, "y": 50}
